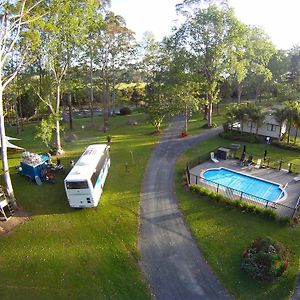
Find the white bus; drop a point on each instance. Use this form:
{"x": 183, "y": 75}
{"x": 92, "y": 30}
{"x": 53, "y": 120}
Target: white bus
{"x": 84, "y": 183}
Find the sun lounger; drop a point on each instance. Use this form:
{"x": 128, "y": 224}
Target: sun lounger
{"x": 212, "y": 157}
{"x": 258, "y": 164}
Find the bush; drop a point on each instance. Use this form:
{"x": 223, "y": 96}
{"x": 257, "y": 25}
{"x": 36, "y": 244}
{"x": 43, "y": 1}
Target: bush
{"x": 125, "y": 111}
{"x": 213, "y": 125}
{"x": 241, "y": 137}
{"x": 265, "y": 259}
{"x": 225, "y": 127}
{"x": 242, "y": 205}
{"x": 285, "y": 146}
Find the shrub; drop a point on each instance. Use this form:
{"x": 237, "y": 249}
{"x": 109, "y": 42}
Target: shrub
{"x": 242, "y": 205}
{"x": 213, "y": 125}
{"x": 269, "y": 213}
{"x": 285, "y": 146}
{"x": 125, "y": 111}
{"x": 265, "y": 259}
{"x": 225, "y": 127}
{"x": 241, "y": 137}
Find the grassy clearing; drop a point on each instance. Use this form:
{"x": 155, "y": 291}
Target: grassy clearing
{"x": 223, "y": 233}
{"x": 196, "y": 121}
{"x": 62, "y": 253}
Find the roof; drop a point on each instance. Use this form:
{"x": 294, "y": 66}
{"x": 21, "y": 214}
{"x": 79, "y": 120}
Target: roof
{"x": 269, "y": 118}
{"x": 87, "y": 163}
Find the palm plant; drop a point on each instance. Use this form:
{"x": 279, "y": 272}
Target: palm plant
{"x": 231, "y": 114}
{"x": 291, "y": 110}
{"x": 258, "y": 117}
{"x": 280, "y": 115}
{"x": 241, "y": 115}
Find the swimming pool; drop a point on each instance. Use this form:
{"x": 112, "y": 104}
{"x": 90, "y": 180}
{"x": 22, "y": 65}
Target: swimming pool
{"x": 251, "y": 185}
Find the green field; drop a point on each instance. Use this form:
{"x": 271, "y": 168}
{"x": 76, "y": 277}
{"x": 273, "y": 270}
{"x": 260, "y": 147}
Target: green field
{"x": 64, "y": 253}
{"x": 223, "y": 233}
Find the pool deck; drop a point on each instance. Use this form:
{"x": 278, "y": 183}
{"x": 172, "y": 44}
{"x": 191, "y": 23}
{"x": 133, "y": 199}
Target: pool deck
{"x": 281, "y": 177}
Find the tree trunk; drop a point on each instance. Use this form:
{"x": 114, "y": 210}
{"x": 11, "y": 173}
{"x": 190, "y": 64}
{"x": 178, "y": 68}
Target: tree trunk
{"x": 289, "y": 132}
{"x": 40, "y": 88}
{"x": 58, "y": 144}
{"x": 91, "y": 89}
{"x": 18, "y": 129}
{"x": 5, "y": 167}
{"x": 186, "y": 120}
{"x": 296, "y": 135}
{"x": 105, "y": 110}
{"x": 113, "y": 100}
{"x": 280, "y": 130}
{"x": 157, "y": 126}
{"x": 69, "y": 101}
{"x": 205, "y": 112}
{"x": 70, "y": 110}
{"x": 239, "y": 92}
{"x": 210, "y": 110}
{"x": 257, "y": 94}
{"x": 21, "y": 115}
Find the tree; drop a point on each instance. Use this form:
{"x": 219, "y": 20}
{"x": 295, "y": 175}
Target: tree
{"x": 157, "y": 105}
{"x": 15, "y": 34}
{"x": 150, "y": 53}
{"x": 257, "y": 116}
{"x": 62, "y": 31}
{"x": 209, "y": 35}
{"x": 292, "y": 111}
{"x": 261, "y": 51}
{"x": 280, "y": 116}
{"x": 241, "y": 112}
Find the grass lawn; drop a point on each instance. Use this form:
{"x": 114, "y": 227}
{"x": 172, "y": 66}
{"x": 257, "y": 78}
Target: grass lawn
{"x": 196, "y": 121}
{"x": 223, "y": 233}
{"x": 64, "y": 253}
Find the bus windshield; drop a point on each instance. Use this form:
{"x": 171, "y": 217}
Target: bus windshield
{"x": 77, "y": 185}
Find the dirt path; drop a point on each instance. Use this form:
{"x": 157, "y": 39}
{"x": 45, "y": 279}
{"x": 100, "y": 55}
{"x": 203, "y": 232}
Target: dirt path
{"x": 173, "y": 265}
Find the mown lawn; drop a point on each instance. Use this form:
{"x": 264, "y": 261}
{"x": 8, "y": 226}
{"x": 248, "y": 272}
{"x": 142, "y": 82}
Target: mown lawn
{"x": 223, "y": 233}
{"x": 64, "y": 253}
{"x": 196, "y": 121}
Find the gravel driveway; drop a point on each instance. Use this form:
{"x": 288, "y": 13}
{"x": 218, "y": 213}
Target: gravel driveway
{"x": 172, "y": 263}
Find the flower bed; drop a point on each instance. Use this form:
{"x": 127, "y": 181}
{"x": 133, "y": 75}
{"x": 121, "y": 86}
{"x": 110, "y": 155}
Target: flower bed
{"x": 265, "y": 259}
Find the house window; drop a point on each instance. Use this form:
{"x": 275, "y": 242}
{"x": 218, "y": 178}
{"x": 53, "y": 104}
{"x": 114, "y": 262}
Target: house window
{"x": 271, "y": 127}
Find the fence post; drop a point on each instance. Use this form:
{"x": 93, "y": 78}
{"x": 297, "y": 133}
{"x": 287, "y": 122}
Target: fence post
{"x": 188, "y": 174}
{"x": 196, "y": 179}
{"x": 218, "y": 188}
{"x": 280, "y": 163}
{"x": 267, "y": 204}
{"x": 241, "y": 197}
{"x": 290, "y": 167}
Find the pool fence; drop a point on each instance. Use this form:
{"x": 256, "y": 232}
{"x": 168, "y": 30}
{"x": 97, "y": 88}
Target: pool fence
{"x": 233, "y": 194}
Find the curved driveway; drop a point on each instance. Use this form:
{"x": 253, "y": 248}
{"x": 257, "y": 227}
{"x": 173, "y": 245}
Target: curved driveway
{"x": 173, "y": 265}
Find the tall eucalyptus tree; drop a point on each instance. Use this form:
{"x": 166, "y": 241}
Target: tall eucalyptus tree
{"x": 16, "y": 18}
{"x": 63, "y": 29}
{"x": 115, "y": 42}
{"x": 209, "y": 36}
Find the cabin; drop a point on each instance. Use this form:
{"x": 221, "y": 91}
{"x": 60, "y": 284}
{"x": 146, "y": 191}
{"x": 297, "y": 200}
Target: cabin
{"x": 269, "y": 128}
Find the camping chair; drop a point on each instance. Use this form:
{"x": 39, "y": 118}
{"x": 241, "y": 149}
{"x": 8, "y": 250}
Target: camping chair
{"x": 212, "y": 157}
{"x": 249, "y": 161}
{"x": 258, "y": 164}
{"x": 242, "y": 159}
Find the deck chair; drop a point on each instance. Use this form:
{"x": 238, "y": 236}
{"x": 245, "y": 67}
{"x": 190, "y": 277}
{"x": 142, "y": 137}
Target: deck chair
{"x": 212, "y": 157}
{"x": 258, "y": 164}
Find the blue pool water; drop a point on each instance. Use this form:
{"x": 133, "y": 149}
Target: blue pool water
{"x": 246, "y": 184}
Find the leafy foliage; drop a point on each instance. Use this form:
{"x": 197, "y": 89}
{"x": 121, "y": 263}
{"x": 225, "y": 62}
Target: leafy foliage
{"x": 265, "y": 259}
{"x": 45, "y": 130}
